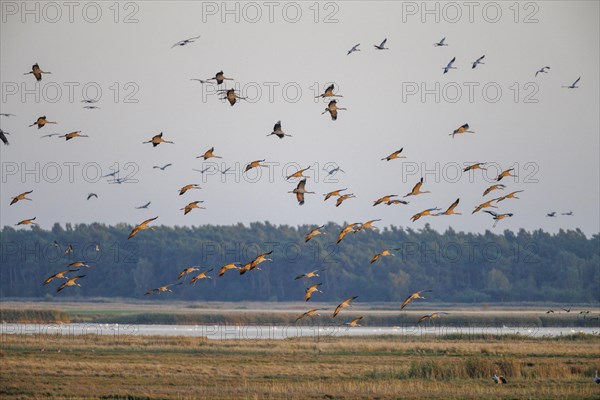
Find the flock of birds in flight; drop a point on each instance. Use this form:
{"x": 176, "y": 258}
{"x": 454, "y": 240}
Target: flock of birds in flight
{"x": 300, "y": 192}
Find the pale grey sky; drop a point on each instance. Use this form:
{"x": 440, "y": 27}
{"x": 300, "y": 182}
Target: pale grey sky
{"x": 549, "y": 134}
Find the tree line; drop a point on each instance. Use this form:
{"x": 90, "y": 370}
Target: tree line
{"x": 459, "y": 267}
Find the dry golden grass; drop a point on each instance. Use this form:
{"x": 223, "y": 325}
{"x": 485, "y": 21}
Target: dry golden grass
{"x": 47, "y": 366}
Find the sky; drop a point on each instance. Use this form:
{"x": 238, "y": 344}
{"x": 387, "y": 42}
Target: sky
{"x": 281, "y": 55}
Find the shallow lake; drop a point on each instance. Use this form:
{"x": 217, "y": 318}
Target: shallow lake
{"x": 240, "y": 332}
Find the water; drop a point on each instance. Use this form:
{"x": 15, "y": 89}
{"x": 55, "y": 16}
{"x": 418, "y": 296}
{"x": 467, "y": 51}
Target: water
{"x": 240, "y": 332}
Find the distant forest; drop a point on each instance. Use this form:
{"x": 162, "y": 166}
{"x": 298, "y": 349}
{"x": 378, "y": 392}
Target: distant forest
{"x": 458, "y": 267}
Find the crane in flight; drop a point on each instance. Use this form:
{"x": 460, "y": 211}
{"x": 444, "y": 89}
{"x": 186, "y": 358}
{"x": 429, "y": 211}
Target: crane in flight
{"x": 37, "y": 72}
{"x": 278, "y": 132}
{"x": 414, "y": 296}
{"x": 315, "y": 232}
{"x": 543, "y": 70}
{"x": 478, "y": 61}
{"x": 185, "y": 42}
{"x": 449, "y": 66}
{"x": 381, "y": 45}
{"x": 343, "y": 305}
{"x": 353, "y": 49}
{"x": 157, "y": 139}
{"x": 329, "y": 92}
{"x": 20, "y": 197}
{"x": 441, "y": 43}
{"x": 498, "y": 217}
{"x": 574, "y": 84}
{"x": 141, "y": 227}
{"x": 333, "y": 109}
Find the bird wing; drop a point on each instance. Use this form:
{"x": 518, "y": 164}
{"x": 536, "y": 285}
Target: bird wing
{"x": 491, "y": 213}
{"x": 575, "y": 83}
{"x": 408, "y": 300}
{"x": 383, "y": 43}
{"x": 453, "y": 205}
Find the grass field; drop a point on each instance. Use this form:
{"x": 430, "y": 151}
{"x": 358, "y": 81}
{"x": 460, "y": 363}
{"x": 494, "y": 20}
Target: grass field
{"x": 132, "y": 367}
{"x": 385, "y": 314}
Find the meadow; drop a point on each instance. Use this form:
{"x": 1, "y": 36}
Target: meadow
{"x": 133, "y": 367}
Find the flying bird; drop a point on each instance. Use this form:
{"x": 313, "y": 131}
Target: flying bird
{"x": 186, "y": 41}
{"x": 298, "y": 174}
{"x": 551, "y": 214}
{"x": 343, "y": 305}
{"x": 143, "y": 206}
{"x": 254, "y": 263}
{"x": 278, "y": 132}
{"x": 3, "y": 137}
{"x": 334, "y": 170}
{"x": 309, "y": 313}
{"x": 329, "y": 92}
{"x": 333, "y": 193}
{"x": 191, "y": 206}
{"x": 41, "y": 122}
{"x": 343, "y": 198}
{"x": 498, "y": 217}
{"x": 231, "y": 96}
{"x": 498, "y": 186}
{"x": 381, "y": 45}
{"x": 424, "y": 213}
{"x": 70, "y": 282}
{"x": 347, "y": 229}
{"x": 478, "y": 61}
{"x": 163, "y": 167}
{"x": 366, "y": 225}
{"x": 162, "y": 289}
{"x": 573, "y": 85}
{"x": 49, "y": 135}
{"x": 449, "y": 66}
{"x": 309, "y": 275}
{"x": 416, "y": 190}
{"x": 186, "y": 271}
{"x": 504, "y": 174}
{"x": 384, "y": 199}
{"x": 431, "y": 316}
{"x": 59, "y": 275}
{"x": 68, "y": 249}
{"x": 354, "y": 322}
{"x": 7, "y": 115}
{"x": 485, "y": 205}
{"x": 415, "y": 295}
{"x": 509, "y": 196}
{"x": 255, "y": 164}
{"x": 353, "y": 49}
{"x": 396, "y": 201}
{"x": 91, "y": 107}
{"x": 78, "y": 264}
{"x": 300, "y": 191}
{"x": 203, "y": 170}
{"x": 462, "y": 129}
{"x": 72, "y": 135}
{"x": 474, "y": 166}
{"x": 310, "y": 290}
{"x": 37, "y": 72}
{"x": 219, "y": 78}
{"x": 210, "y": 153}
{"x": 542, "y": 70}
{"x": 157, "y": 139}
{"x": 394, "y": 155}
{"x": 189, "y": 187}
{"x": 333, "y": 109}
{"x": 29, "y": 221}
{"x": 313, "y": 233}
{"x": 90, "y": 195}
{"x": 450, "y": 210}
{"x": 227, "y": 267}
{"x": 570, "y": 213}
{"x": 201, "y": 275}
{"x": 384, "y": 253}
{"x": 441, "y": 43}
{"x": 141, "y": 227}
{"x": 20, "y": 197}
